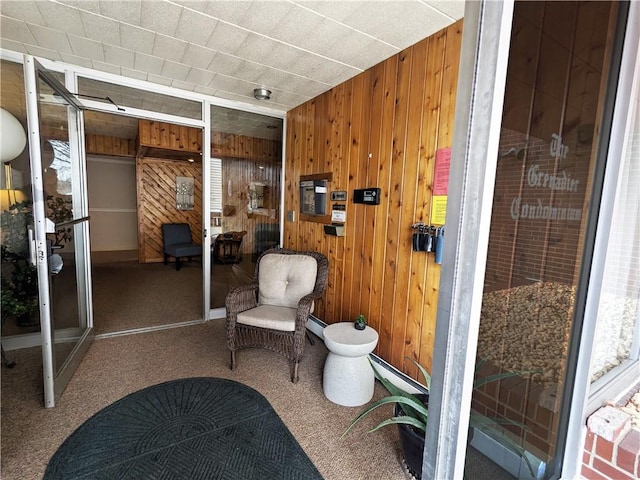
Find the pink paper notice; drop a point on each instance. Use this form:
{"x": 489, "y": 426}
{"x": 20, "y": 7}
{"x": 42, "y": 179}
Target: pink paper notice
{"x": 441, "y": 173}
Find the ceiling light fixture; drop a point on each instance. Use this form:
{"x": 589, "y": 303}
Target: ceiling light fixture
{"x": 261, "y": 93}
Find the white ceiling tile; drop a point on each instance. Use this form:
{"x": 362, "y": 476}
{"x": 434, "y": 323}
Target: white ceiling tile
{"x": 198, "y": 76}
{"x": 415, "y": 18}
{"x": 256, "y": 48}
{"x": 225, "y": 64}
{"x": 305, "y": 63}
{"x": 195, "y": 27}
{"x": 75, "y": 60}
{"x": 298, "y": 48}
{"x": 231, "y": 84}
{"x": 169, "y": 47}
{"x": 136, "y": 39}
{"x": 296, "y": 25}
{"x": 16, "y": 30}
{"x": 61, "y": 17}
{"x": 106, "y": 67}
{"x": 373, "y": 54}
{"x": 367, "y": 18}
{"x": 323, "y": 36}
{"x": 333, "y": 73}
{"x": 344, "y": 49}
{"x": 160, "y": 79}
{"x": 148, "y": 63}
{"x": 128, "y": 72}
{"x": 411, "y": 37}
{"x": 92, "y": 6}
{"x": 175, "y": 70}
{"x": 205, "y": 90}
{"x": 197, "y": 56}
{"x": 283, "y": 56}
{"x": 49, "y": 38}
{"x": 288, "y": 98}
{"x": 128, "y": 11}
{"x": 452, "y": 8}
{"x": 263, "y": 17}
{"x": 230, "y": 11}
{"x": 301, "y": 86}
{"x": 22, "y": 10}
{"x": 86, "y": 48}
{"x": 118, "y": 56}
{"x": 183, "y": 85}
{"x": 336, "y": 9}
{"x": 273, "y": 78}
{"x": 37, "y": 51}
{"x": 249, "y": 71}
{"x": 11, "y": 45}
{"x": 227, "y": 38}
{"x": 160, "y": 17}
{"x": 101, "y": 28}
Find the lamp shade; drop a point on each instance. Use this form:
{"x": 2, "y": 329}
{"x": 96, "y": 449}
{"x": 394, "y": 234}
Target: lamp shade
{"x": 14, "y": 138}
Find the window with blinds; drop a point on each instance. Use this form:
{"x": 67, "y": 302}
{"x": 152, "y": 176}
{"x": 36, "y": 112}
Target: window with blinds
{"x": 216, "y": 185}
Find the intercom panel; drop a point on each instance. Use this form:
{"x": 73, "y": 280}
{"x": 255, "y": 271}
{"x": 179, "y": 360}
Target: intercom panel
{"x": 368, "y": 196}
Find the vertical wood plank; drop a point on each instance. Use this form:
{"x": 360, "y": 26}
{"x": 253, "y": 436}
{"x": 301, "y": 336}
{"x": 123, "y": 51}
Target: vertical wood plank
{"x": 379, "y": 129}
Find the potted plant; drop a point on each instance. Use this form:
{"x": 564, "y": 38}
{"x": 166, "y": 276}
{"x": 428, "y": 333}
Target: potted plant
{"x": 410, "y": 414}
{"x": 360, "y": 322}
{"x": 19, "y": 277}
{"x": 19, "y": 296}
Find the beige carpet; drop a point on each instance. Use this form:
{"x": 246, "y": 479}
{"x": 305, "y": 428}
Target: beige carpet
{"x": 115, "y": 367}
{"x": 118, "y": 366}
{"x": 128, "y": 295}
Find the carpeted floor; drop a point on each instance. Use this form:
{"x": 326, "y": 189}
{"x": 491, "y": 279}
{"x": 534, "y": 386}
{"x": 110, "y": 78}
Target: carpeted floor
{"x": 115, "y": 367}
{"x": 193, "y": 428}
{"x": 129, "y": 295}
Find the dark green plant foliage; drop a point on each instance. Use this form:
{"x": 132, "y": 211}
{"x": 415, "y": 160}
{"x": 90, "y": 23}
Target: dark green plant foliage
{"x": 19, "y": 277}
{"x": 416, "y": 413}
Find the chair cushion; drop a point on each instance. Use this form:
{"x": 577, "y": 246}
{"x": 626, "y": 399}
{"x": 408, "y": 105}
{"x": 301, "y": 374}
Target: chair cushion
{"x": 270, "y": 316}
{"x": 285, "y": 279}
{"x": 184, "y": 250}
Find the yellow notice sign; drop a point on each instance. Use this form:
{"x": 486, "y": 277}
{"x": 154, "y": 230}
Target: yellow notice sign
{"x": 438, "y": 209}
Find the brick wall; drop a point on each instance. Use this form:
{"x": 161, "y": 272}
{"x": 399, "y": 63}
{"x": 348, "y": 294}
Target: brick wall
{"x": 612, "y": 446}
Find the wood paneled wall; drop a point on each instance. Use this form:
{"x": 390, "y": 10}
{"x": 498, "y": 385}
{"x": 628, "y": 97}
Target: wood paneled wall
{"x": 237, "y": 174}
{"x": 245, "y": 160}
{"x": 156, "y": 189}
{"x": 106, "y": 145}
{"x": 382, "y": 129}
{"x": 169, "y": 136}
{"x": 228, "y": 145}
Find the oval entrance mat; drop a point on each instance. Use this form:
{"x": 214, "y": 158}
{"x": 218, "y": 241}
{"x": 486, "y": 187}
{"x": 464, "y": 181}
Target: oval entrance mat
{"x": 195, "y": 428}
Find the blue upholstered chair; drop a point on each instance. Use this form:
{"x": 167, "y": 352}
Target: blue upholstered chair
{"x": 177, "y": 242}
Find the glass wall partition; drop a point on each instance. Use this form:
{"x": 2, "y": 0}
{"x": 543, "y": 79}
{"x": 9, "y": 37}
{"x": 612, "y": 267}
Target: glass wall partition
{"x": 558, "y": 66}
{"x": 19, "y": 279}
{"x": 245, "y": 193}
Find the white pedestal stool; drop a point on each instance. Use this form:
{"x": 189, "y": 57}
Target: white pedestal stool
{"x": 348, "y": 376}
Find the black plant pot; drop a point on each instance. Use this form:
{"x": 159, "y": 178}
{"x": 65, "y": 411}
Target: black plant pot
{"x": 412, "y": 441}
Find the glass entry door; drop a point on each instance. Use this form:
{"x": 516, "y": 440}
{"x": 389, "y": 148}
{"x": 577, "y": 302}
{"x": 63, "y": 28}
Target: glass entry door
{"x": 59, "y": 238}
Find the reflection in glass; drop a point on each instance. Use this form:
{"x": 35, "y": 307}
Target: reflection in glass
{"x": 245, "y": 191}
{"x": 65, "y": 242}
{"x": 618, "y": 324}
{"x": 19, "y": 278}
{"x": 546, "y": 159}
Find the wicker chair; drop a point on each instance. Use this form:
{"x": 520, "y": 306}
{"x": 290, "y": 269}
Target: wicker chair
{"x": 272, "y": 312}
